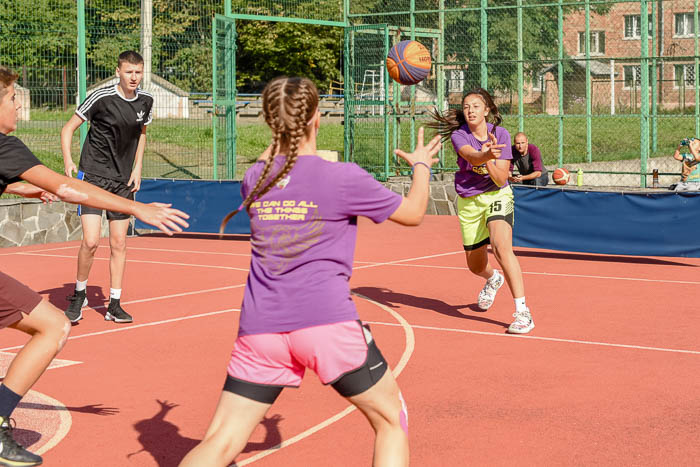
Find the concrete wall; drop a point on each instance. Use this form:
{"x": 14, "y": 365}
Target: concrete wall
{"x": 29, "y": 221}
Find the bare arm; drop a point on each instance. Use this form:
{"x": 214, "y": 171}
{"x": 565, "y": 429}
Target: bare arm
{"x": 28, "y": 190}
{"x": 530, "y": 176}
{"x": 138, "y": 162}
{"x": 475, "y": 157}
{"x": 66, "y": 138}
{"x": 498, "y": 171}
{"x": 412, "y": 208}
{"x": 76, "y": 191}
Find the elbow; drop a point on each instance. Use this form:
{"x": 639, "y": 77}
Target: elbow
{"x": 415, "y": 220}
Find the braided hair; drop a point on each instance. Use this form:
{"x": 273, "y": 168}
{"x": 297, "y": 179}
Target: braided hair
{"x": 451, "y": 120}
{"x": 288, "y": 106}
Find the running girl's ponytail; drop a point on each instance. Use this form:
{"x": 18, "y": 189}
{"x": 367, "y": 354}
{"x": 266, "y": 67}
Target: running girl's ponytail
{"x": 289, "y": 105}
{"x": 452, "y": 119}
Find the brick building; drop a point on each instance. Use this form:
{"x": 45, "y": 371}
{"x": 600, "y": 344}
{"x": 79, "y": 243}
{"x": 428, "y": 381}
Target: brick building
{"x": 615, "y": 48}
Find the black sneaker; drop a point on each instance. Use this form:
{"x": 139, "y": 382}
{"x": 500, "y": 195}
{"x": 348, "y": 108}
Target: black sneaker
{"x": 116, "y": 313}
{"x": 11, "y": 452}
{"x": 74, "y": 311}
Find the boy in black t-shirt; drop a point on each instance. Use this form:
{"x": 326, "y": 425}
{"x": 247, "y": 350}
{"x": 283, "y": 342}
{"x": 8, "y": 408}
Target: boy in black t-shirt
{"x": 20, "y": 307}
{"x": 111, "y": 159}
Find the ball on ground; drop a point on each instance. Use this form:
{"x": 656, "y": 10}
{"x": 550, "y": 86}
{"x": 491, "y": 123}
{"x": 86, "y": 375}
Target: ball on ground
{"x": 561, "y": 176}
{"x": 408, "y": 62}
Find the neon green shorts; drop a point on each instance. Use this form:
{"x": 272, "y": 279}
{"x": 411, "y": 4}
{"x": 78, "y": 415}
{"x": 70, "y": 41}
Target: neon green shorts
{"x": 475, "y": 212}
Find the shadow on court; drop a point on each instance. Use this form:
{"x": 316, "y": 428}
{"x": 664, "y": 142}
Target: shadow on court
{"x": 59, "y": 296}
{"x": 393, "y": 299}
{"x": 93, "y": 409}
{"x": 600, "y": 258}
{"x": 163, "y": 441}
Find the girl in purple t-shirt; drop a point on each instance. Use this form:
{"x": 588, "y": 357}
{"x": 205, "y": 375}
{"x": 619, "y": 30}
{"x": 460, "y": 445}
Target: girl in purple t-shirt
{"x": 297, "y": 312}
{"x": 485, "y": 203}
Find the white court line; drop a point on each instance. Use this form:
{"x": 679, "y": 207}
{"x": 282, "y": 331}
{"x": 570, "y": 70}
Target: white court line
{"x": 189, "y": 251}
{"x": 540, "y": 338}
{"x": 164, "y": 297}
{"x": 398, "y": 262}
{"x": 141, "y": 261}
{"x": 136, "y": 326}
{"x": 405, "y": 357}
{"x": 583, "y": 276}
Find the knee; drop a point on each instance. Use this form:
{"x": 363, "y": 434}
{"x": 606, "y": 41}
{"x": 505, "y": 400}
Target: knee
{"x": 90, "y": 244}
{"x": 65, "y": 328}
{"x": 501, "y": 250}
{"x": 117, "y": 245}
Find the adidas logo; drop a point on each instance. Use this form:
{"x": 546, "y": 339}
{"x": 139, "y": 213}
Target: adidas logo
{"x": 139, "y": 116}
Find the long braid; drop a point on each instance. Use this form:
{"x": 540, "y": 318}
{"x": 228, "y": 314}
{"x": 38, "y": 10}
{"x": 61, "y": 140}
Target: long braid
{"x": 298, "y": 107}
{"x": 288, "y": 105}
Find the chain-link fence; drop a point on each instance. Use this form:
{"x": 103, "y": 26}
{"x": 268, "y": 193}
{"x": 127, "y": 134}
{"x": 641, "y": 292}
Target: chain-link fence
{"x": 571, "y": 74}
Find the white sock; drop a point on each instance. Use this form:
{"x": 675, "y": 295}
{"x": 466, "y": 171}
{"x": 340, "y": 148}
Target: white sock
{"x": 520, "y": 304}
{"x": 80, "y": 285}
{"x": 494, "y": 276}
{"x": 115, "y": 293}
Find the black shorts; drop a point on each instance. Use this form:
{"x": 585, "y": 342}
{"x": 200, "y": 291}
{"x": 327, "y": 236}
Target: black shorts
{"x": 15, "y": 299}
{"x": 113, "y": 186}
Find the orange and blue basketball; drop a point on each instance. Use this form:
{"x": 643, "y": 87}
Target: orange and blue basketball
{"x": 408, "y": 62}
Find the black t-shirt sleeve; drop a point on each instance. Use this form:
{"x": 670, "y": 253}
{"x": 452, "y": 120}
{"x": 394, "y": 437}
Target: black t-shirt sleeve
{"x": 90, "y": 105}
{"x": 15, "y": 159}
{"x": 150, "y": 113}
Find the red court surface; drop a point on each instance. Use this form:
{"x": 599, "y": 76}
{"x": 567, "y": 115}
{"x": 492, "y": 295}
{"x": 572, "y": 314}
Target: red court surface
{"x": 609, "y": 375}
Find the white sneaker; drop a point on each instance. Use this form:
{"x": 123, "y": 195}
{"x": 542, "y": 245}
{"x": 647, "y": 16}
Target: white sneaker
{"x": 488, "y": 293}
{"x": 523, "y": 323}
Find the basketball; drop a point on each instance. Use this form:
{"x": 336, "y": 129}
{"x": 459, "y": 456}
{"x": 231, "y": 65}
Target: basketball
{"x": 408, "y": 62}
{"x": 561, "y": 176}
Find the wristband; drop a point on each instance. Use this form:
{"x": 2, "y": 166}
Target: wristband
{"x": 413, "y": 167}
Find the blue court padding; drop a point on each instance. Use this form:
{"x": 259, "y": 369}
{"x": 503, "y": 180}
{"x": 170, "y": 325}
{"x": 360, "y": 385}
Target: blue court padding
{"x": 628, "y": 223}
{"x": 206, "y": 201}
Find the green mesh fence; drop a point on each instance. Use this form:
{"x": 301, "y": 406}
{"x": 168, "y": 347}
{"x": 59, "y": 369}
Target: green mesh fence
{"x": 572, "y": 74}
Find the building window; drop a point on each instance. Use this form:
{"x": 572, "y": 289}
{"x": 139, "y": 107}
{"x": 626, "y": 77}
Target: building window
{"x": 684, "y": 24}
{"x": 632, "y": 75}
{"x": 633, "y": 27}
{"x": 538, "y": 82}
{"x": 597, "y": 42}
{"x": 455, "y": 83}
{"x": 683, "y": 75}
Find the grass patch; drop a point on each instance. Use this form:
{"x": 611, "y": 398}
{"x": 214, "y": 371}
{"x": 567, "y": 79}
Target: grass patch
{"x": 183, "y": 148}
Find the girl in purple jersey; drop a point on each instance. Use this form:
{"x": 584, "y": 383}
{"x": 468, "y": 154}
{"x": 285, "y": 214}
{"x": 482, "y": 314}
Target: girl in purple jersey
{"x": 297, "y": 312}
{"x": 485, "y": 203}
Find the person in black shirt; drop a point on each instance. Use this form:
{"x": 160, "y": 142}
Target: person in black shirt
{"x": 20, "y": 307}
{"x": 111, "y": 158}
{"x": 528, "y": 160}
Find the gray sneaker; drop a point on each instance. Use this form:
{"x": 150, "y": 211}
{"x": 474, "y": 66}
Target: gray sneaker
{"x": 523, "y": 323}
{"x": 488, "y": 293}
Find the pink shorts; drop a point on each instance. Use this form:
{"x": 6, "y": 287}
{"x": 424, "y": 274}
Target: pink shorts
{"x": 280, "y": 359}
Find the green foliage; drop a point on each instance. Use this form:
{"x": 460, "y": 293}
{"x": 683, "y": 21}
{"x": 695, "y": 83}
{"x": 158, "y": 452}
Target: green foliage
{"x": 267, "y": 49}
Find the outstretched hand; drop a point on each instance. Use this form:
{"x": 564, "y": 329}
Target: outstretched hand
{"x": 492, "y": 148}
{"x": 422, "y": 153}
{"x": 162, "y": 216}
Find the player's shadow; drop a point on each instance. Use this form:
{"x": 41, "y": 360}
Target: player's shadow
{"x": 599, "y": 258}
{"x": 29, "y": 437}
{"x": 93, "y": 409}
{"x": 59, "y": 297}
{"x": 163, "y": 441}
{"x": 391, "y": 299}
